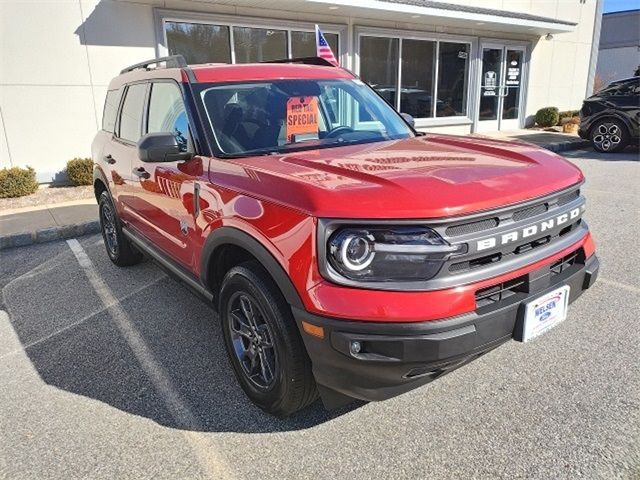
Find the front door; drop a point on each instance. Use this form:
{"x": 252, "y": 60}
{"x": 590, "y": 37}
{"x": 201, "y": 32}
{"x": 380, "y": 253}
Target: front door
{"x": 500, "y": 87}
{"x": 164, "y": 191}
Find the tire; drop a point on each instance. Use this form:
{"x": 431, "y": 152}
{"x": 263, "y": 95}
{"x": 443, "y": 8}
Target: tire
{"x": 119, "y": 248}
{"x": 609, "y": 136}
{"x": 254, "y": 315}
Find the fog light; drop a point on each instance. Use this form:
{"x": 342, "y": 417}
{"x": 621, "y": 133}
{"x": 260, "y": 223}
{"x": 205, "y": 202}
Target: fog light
{"x": 355, "y": 347}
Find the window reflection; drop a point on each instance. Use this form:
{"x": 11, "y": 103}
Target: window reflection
{"x": 379, "y": 65}
{"x": 303, "y": 44}
{"x": 452, "y": 79}
{"x": 380, "y": 61}
{"x": 259, "y": 44}
{"x": 199, "y": 42}
{"x": 418, "y": 68}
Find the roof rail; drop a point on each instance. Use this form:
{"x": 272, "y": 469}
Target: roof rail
{"x": 305, "y": 60}
{"x": 172, "y": 61}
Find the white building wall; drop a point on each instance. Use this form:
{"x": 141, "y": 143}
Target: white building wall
{"x": 58, "y": 56}
{"x": 559, "y": 68}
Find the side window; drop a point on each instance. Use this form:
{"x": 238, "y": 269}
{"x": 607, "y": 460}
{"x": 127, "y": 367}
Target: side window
{"x": 111, "y": 104}
{"x": 131, "y": 115}
{"x": 167, "y": 112}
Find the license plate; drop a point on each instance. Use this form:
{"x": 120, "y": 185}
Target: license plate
{"x": 545, "y": 312}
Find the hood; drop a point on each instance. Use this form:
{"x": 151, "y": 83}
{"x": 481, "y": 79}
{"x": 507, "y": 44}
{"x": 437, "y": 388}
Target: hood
{"x": 424, "y": 177}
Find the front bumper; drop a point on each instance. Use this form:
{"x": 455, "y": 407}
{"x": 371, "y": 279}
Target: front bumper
{"x": 397, "y": 357}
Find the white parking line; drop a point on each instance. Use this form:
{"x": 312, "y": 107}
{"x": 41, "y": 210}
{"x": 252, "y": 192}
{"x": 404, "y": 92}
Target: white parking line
{"x": 623, "y": 286}
{"x": 203, "y": 446}
{"x": 27, "y": 346}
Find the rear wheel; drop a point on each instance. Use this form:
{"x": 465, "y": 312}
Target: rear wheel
{"x": 263, "y": 342}
{"x": 119, "y": 248}
{"x": 609, "y": 136}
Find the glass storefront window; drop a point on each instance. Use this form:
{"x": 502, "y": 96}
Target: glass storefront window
{"x": 199, "y": 42}
{"x": 303, "y": 44}
{"x": 453, "y": 63}
{"x": 418, "y": 68}
{"x": 379, "y": 65}
{"x": 210, "y": 43}
{"x": 380, "y": 60}
{"x": 259, "y": 44}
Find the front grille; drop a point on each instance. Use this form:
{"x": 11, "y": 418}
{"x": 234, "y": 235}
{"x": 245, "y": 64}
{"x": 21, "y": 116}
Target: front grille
{"x": 567, "y": 197}
{"x": 509, "y": 235}
{"x": 472, "y": 227}
{"x": 529, "y": 212}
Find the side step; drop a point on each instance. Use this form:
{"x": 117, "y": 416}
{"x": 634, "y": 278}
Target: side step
{"x": 168, "y": 264}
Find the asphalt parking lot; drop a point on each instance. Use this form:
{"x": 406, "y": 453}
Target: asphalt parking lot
{"x": 121, "y": 373}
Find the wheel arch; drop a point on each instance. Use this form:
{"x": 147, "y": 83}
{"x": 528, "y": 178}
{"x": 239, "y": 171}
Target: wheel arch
{"x": 225, "y": 238}
{"x": 100, "y": 183}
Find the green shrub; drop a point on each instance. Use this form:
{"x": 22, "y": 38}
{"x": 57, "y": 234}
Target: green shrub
{"x": 567, "y": 115}
{"x": 17, "y": 182}
{"x": 547, "y": 117}
{"x": 80, "y": 171}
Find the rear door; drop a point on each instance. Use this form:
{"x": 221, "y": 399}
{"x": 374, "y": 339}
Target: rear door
{"x": 102, "y": 146}
{"x": 124, "y": 150}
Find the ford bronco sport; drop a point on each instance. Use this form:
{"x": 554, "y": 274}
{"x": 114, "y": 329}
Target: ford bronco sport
{"x": 348, "y": 255}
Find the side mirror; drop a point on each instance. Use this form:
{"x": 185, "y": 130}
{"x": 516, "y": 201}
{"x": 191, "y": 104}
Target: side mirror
{"x": 409, "y": 119}
{"x": 161, "y": 147}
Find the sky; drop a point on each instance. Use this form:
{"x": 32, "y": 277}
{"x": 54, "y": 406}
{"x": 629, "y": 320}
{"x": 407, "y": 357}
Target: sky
{"x": 620, "y": 5}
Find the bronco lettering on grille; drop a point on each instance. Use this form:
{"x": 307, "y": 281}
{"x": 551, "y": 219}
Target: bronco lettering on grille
{"x": 530, "y": 230}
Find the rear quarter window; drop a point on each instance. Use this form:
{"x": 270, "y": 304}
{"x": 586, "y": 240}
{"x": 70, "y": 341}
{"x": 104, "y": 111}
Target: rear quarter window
{"x": 110, "y": 111}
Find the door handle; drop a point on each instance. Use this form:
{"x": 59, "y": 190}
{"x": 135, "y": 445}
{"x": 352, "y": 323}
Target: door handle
{"x": 140, "y": 172}
{"x": 109, "y": 159}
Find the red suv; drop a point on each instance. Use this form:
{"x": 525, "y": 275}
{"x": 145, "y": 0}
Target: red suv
{"x": 347, "y": 254}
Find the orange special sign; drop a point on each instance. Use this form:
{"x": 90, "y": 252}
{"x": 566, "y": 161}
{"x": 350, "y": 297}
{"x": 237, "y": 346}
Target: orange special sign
{"x": 302, "y": 117}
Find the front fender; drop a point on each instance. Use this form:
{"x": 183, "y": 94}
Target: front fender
{"x": 233, "y": 236}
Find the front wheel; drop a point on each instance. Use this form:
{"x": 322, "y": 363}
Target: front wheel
{"x": 263, "y": 342}
{"x": 609, "y": 136}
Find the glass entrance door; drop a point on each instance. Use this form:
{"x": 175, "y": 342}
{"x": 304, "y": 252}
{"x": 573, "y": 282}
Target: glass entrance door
{"x": 500, "y": 87}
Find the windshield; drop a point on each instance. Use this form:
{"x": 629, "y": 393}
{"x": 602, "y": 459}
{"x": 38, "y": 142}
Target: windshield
{"x": 286, "y": 115}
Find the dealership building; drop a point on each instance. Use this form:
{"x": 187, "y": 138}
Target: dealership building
{"x": 460, "y": 66}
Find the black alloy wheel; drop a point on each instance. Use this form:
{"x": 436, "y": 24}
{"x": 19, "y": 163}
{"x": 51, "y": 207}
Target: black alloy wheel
{"x": 262, "y": 340}
{"x": 252, "y": 340}
{"x": 609, "y": 136}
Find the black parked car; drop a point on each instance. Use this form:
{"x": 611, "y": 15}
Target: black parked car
{"x": 611, "y": 117}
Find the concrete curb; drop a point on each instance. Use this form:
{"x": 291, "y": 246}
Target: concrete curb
{"x": 566, "y": 146}
{"x": 48, "y": 234}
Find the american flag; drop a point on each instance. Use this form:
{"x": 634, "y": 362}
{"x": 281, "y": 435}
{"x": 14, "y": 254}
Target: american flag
{"x": 323, "y": 50}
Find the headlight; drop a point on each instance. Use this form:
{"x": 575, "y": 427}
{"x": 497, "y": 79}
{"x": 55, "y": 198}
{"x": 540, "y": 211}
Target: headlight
{"x": 387, "y": 254}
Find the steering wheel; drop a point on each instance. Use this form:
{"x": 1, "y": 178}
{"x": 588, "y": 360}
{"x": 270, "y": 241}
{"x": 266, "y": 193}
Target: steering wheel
{"x": 340, "y": 129}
